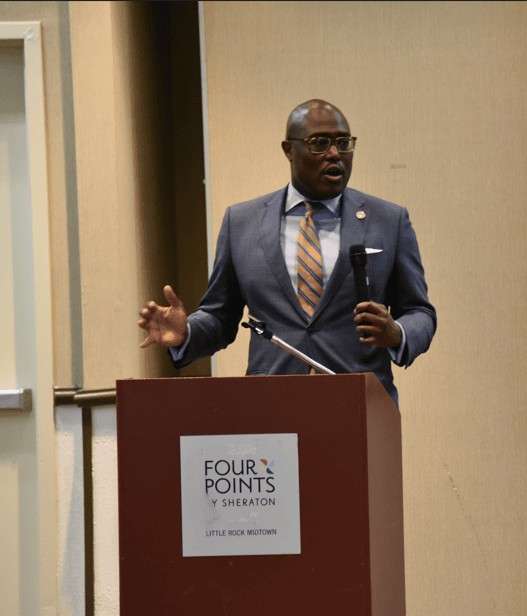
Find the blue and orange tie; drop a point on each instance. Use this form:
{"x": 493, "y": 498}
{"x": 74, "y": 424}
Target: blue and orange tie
{"x": 309, "y": 263}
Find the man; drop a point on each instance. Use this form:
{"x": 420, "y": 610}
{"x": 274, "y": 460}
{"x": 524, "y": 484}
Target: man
{"x": 309, "y": 299}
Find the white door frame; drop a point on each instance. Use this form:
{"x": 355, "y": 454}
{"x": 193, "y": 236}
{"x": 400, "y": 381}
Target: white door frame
{"x": 40, "y": 563}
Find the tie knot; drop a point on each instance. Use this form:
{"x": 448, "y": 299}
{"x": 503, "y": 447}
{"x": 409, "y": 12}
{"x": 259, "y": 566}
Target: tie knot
{"x": 312, "y": 207}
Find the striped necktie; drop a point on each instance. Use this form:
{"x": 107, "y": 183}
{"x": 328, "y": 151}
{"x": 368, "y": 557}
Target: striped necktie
{"x": 309, "y": 262}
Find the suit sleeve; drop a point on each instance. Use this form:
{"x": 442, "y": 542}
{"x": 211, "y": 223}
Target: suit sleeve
{"x": 409, "y": 293}
{"x": 214, "y": 325}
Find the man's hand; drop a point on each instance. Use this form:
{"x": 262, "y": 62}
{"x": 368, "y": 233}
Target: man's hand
{"x": 165, "y": 326}
{"x": 378, "y": 323}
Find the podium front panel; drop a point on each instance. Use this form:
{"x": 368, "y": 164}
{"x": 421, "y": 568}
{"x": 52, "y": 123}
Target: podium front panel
{"x": 330, "y": 576}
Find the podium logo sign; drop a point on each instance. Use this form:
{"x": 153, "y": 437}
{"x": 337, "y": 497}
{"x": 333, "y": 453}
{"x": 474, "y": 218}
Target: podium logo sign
{"x": 239, "y": 494}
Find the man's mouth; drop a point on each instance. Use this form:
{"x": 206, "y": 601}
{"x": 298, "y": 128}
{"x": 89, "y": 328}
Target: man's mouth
{"x": 334, "y": 172}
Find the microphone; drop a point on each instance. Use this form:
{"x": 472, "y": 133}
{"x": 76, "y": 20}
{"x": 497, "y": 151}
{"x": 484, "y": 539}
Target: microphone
{"x": 358, "y": 259}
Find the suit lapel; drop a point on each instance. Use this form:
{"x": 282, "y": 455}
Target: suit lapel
{"x": 271, "y": 222}
{"x": 352, "y": 231}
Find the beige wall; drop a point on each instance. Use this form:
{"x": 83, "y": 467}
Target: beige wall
{"x": 108, "y": 191}
{"x": 435, "y": 92}
{"x": 130, "y": 200}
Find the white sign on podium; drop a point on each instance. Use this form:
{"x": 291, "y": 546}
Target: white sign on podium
{"x": 240, "y": 494}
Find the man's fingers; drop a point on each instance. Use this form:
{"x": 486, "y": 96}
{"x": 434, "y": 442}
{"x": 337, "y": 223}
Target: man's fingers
{"x": 172, "y": 298}
{"x": 370, "y": 340}
{"x": 163, "y": 325}
{"x": 371, "y": 307}
{"x": 369, "y": 328}
{"x": 367, "y": 318}
{"x": 146, "y": 342}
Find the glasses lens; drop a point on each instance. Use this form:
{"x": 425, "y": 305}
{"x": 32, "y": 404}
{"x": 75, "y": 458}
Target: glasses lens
{"x": 345, "y": 144}
{"x": 318, "y": 145}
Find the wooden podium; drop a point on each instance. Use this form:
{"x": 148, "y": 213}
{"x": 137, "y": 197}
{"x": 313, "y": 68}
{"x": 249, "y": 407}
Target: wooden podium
{"x": 350, "y": 487}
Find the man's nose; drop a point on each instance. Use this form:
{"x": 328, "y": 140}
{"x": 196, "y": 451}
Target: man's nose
{"x": 333, "y": 153}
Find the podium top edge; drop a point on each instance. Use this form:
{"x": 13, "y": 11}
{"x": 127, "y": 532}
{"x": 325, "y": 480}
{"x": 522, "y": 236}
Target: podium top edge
{"x": 274, "y": 376}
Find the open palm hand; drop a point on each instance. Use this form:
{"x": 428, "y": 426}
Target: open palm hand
{"x": 165, "y": 325}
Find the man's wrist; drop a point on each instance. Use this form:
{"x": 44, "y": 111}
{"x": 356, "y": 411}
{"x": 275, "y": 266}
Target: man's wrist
{"x": 398, "y": 335}
{"x": 396, "y": 352}
{"x": 177, "y": 353}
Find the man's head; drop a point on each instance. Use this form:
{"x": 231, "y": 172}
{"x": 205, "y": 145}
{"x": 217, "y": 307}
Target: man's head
{"x": 317, "y": 176}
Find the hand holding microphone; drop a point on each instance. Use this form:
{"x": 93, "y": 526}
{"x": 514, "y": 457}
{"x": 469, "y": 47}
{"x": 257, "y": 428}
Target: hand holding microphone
{"x": 375, "y": 323}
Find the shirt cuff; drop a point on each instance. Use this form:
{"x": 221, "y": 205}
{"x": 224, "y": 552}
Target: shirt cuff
{"x": 177, "y": 353}
{"x": 396, "y": 353}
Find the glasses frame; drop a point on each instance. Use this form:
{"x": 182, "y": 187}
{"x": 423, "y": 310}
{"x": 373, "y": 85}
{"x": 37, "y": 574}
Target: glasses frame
{"x": 332, "y": 141}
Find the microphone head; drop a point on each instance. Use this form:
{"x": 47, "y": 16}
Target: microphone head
{"x": 358, "y": 255}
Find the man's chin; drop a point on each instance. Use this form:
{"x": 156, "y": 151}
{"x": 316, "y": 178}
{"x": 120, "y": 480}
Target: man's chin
{"x": 322, "y": 193}
{"x": 329, "y": 192}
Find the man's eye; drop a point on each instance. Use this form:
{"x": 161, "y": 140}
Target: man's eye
{"x": 318, "y": 142}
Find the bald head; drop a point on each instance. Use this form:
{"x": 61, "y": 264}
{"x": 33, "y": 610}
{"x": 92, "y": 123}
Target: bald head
{"x": 314, "y": 108}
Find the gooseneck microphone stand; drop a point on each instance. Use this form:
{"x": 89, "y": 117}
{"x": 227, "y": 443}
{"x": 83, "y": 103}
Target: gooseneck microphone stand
{"x": 261, "y": 329}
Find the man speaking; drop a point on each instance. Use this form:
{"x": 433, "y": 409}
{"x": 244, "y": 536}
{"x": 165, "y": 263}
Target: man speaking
{"x": 286, "y": 256}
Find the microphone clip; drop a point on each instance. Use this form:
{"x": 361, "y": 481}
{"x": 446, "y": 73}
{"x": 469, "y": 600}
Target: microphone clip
{"x": 259, "y": 327}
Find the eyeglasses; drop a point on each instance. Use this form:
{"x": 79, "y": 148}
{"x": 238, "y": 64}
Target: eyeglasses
{"x": 320, "y": 145}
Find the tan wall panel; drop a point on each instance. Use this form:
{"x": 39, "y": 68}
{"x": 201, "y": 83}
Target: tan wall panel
{"x": 101, "y": 210}
{"x": 123, "y": 206}
{"x": 435, "y": 93}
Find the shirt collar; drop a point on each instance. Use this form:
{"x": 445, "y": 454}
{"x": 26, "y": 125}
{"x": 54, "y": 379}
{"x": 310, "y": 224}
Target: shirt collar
{"x": 294, "y": 198}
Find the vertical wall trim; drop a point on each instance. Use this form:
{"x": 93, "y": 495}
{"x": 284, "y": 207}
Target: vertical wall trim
{"x": 206, "y": 156}
{"x": 70, "y": 159}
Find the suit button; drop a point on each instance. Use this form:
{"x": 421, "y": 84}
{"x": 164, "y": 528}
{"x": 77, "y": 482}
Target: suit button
{"x": 310, "y": 331}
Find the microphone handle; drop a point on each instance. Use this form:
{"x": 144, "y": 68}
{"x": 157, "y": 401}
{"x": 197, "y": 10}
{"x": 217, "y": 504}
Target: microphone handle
{"x": 362, "y": 285}
{"x": 362, "y": 288}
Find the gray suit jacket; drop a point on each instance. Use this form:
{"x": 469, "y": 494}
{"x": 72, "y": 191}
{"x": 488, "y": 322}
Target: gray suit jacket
{"x": 250, "y": 269}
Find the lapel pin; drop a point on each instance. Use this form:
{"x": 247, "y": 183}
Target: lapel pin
{"x": 360, "y": 215}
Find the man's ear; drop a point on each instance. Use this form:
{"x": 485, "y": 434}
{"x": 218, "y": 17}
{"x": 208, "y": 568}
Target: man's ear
{"x": 286, "y": 147}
